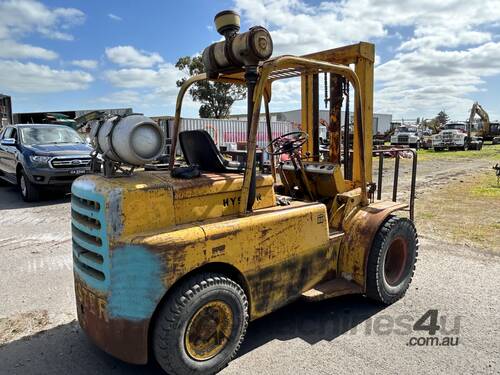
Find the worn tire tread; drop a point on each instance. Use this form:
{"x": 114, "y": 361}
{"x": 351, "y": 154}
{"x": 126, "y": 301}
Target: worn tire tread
{"x": 373, "y": 290}
{"x": 172, "y": 310}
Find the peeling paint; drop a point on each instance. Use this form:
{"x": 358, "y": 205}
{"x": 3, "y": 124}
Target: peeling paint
{"x": 136, "y": 283}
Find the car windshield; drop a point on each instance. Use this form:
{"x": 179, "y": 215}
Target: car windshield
{"x": 455, "y": 126}
{"x": 49, "y": 135}
{"x": 404, "y": 129}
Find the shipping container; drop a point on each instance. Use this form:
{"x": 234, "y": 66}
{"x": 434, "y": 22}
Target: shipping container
{"x": 228, "y": 133}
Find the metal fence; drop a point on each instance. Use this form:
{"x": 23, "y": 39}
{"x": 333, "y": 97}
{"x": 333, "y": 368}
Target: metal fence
{"x": 226, "y": 132}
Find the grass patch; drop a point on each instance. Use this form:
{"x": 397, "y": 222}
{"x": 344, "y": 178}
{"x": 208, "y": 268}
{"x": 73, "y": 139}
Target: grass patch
{"x": 427, "y": 215}
{"x": 466, "y": 213}
{"x": 488, "y": 152}
{"x": 487, "y": 189}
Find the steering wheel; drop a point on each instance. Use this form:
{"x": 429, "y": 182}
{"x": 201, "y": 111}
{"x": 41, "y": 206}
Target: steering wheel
{"x": 286, "y": 143}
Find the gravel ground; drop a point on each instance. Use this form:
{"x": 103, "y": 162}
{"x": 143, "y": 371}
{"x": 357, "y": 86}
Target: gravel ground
{"x": 344, "y": 335}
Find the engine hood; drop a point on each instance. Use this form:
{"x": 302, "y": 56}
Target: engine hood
{"x": 61, "y": 149}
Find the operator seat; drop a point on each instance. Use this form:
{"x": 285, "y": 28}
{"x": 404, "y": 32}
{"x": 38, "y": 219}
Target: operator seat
{"x": 199, "y": 149}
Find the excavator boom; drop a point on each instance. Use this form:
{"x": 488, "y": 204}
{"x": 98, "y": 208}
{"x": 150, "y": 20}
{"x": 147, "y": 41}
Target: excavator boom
{"x": 477, "y": 109}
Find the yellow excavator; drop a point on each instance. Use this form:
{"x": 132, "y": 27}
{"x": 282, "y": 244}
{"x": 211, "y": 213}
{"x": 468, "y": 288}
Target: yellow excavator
{"x": 172, "y": 265}
{"x": 489, "y": 130}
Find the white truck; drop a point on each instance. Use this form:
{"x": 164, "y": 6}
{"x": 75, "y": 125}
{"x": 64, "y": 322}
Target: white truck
{"x": 406, "y": 135}
{"x": 454, "y": 137}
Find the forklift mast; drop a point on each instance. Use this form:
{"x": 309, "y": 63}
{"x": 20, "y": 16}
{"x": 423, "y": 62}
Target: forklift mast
{"x": 362, "y": 56}
{"x": 335, "y": 62}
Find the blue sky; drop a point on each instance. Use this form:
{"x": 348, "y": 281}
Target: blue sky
{"x": 60, "y": 55}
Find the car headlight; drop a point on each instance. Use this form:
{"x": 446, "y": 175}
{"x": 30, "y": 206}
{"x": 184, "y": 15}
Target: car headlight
{"x": 41, "y": 161}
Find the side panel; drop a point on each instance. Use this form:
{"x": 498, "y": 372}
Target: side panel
{"x": 280, "y": 251}
{"x": 219, "y": 204}
{"x": 144, "y": 210}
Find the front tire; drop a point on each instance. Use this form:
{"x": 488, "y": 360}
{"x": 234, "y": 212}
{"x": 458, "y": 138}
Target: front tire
{"x": 201, "y": 325}
{"x": 391, "y": 262}
{"x": 29, "y": 191}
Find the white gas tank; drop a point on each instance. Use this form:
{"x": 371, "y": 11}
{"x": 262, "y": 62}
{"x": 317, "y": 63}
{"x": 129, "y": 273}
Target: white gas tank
{"x": 133, "y": 139}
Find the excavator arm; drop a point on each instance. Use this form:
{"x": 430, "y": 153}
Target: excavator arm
{"x": 477, "y": 109}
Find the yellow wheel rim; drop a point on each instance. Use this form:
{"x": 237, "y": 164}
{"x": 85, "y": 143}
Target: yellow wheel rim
{"x": 209, "y": 330}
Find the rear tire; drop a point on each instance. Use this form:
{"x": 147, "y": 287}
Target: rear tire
{"x": 391, "y": 262}
{"x": 201, "y": 325}
{"x": 29, "y": 191}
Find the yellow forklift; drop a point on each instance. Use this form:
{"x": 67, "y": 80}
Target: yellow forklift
{"x": 172, "y": 265}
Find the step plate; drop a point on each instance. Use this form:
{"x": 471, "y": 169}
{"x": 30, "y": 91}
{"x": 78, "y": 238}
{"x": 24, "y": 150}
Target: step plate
{"x": 331, "y": 288}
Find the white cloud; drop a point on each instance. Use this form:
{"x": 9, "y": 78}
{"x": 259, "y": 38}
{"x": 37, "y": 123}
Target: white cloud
{"x": 438, "y": 36}
{"x": 20, "y": 18}
{"x": 129, "y": 56}
{"x": 165, "y": 76}
{"x": 445, "y": 49}
{"x": 29, "y": 77}
{"x": 149, "y": 101}
{"x": 86, "y": 64}
{"x": 114, "y": 17}
{"x": 145, "y": 87}
{"x": 299, "y": 28}
{"x": 12, "y": 49}
{"x": 429, "y": 78}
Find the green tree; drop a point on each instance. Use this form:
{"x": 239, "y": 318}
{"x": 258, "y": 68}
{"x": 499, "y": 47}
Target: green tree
{"x": 442, "y": 118}
{"x": 432, "y": 124}
{"x": 216, "y": 98}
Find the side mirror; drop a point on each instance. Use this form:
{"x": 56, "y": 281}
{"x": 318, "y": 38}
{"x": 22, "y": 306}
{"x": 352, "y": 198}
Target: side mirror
{"x": 8, "y": 142}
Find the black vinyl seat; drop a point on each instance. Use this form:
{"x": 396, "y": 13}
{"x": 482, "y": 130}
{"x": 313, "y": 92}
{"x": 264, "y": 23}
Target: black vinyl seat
{"x": 199, "y": 149}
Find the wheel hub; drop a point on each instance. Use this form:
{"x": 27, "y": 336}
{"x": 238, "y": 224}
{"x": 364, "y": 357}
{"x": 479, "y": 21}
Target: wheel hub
{"x": 395, "y": 261}
{"x": 209, "y": 330}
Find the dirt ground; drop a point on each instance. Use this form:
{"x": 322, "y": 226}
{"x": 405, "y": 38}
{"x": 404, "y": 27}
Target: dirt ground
{"x": 458, "y": 220}
{"x": 457, "y": 195}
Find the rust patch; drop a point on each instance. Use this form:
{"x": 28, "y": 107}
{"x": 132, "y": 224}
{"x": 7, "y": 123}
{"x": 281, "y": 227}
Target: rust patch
{"x": 264, "y": 231}
{"x": 223, "y": 234}
{"x": 275, "y": 286}
{"x": 360, "y": 232}
{"x": 218, "y": 251}
{"x": 123, "y": 339}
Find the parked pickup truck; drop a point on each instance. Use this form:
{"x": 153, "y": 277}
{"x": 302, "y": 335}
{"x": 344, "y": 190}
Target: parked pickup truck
{"x": 35, "y": 156}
